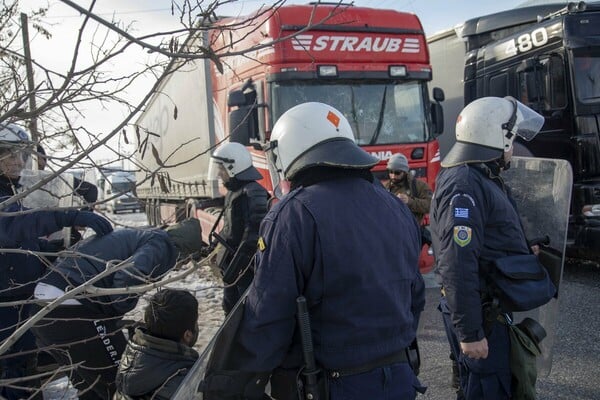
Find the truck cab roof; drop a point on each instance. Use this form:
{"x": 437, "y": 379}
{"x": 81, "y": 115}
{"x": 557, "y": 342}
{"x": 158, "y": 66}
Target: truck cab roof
{"x": 480, "y": 31}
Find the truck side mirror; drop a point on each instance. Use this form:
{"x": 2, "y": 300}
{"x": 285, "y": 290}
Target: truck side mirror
{"x": 437, "y": 117}
{"x": 236, "y": 98}
{"x": 438, "y": 94}
{"x": 241, "y": 125}
{"x": 530, "y": 82}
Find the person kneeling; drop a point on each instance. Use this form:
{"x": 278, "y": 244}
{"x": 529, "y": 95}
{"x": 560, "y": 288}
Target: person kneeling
{"x": 159, "y": 355}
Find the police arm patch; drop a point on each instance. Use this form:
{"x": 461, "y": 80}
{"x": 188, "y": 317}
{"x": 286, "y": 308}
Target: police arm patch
{"x": 462, "y": 235}
{"x": 261, "y": 244}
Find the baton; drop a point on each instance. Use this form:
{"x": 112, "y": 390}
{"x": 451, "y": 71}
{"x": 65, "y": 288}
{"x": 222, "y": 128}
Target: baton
{"x": 310, "y": 370}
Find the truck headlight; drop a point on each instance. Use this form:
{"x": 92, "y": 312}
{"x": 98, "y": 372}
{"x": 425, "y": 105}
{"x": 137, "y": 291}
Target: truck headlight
{"x": 327, "y": 71}
{"x": 397, "y": 70}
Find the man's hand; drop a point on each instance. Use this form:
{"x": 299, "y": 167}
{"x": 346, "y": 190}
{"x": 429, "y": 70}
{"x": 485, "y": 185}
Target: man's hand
{"x": 403, "y": 197}
{"x": 94, "y": 221}
{"x": 475, "y": 350}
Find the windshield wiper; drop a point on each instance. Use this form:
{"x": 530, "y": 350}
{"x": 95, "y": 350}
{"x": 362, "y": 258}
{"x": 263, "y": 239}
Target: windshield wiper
{"x": 380, "y": 120}
{"x": 354, "y": 116}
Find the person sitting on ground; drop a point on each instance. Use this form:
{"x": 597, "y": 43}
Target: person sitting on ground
{"x": 86, "y": 332}
{"x": 160, "y": 354}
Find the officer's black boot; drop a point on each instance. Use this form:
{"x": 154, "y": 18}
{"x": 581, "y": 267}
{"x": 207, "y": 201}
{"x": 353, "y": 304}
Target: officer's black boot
{"x": 455, "y": 381}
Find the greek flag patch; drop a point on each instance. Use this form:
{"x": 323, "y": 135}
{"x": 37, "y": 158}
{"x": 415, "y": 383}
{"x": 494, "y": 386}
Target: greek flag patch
{"x": 461, "y": 212}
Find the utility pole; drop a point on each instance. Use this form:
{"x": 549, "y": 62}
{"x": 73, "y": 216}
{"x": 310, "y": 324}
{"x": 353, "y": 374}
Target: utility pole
{"x": 30, "y": 83}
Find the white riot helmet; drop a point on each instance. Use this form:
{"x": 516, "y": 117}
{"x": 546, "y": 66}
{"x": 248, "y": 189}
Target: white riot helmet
{"x": 14, "y": 141}
{"x": 315, "y": 134}
{"x": 12, "y": 134}
{"x": 235, "y": 160}
{"x": 486, "y": 128}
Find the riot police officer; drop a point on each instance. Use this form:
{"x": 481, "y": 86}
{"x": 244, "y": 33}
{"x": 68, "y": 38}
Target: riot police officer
{"x": 330, "y": 240}
{"x": 474, "y": 221}
{"x": 244, "y": 208}
{"x": 19, "y": 271}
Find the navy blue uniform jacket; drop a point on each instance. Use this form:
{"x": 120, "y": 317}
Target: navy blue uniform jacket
{"x": 151, "y": 252}
{"x": 351, "y": 248}
{"x": 19, "y": 272}
{"x": 472, "y": 218}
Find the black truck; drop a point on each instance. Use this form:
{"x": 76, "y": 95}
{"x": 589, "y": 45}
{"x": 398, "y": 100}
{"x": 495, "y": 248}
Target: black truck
{"x": 547, "y": 57}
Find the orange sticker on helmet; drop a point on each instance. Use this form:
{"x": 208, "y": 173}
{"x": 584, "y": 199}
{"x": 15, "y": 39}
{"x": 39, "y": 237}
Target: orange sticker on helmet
{"x": 334, "y": 119}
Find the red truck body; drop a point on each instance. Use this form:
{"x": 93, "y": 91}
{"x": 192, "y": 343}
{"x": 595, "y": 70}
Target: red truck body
{"x": 372, "y": 65}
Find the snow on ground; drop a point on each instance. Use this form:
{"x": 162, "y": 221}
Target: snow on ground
{"x": 202, "y": 283}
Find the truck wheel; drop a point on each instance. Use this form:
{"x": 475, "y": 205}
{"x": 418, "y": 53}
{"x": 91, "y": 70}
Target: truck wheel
{"x": 148, "y": 210}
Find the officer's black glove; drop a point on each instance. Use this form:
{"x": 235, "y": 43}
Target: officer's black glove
{"x": 425, "y": 236}
{"x": 74, "y": 237}
{"x": 99, "y": 224}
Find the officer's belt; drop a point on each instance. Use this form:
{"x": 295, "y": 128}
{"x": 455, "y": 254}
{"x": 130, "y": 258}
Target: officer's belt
{"x": 392, "y": 359}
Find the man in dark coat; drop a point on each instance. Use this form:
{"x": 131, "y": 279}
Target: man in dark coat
{"x": 415, "y": 193}
{"x": 351, "y": 249}
{"x": 86, "y": 332}
{"x": 20, "y": 232}
{"x": 160, "y": 353}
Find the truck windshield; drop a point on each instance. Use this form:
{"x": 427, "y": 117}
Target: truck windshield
{"x": 379, "y": 113}
{"x": 586, "y": 75}
{"x": 118, "y": 187}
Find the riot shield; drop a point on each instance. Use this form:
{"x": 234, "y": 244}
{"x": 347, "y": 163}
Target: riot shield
{"x": 57, "y": 192}
{"x": 222, "y": 340}
{"x": 542, "y": 190}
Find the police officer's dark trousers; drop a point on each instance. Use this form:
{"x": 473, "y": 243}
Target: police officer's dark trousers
{"x": 483, "y": 379}
{"x": 12, "y": 364}
{"x": 76, "y": 334}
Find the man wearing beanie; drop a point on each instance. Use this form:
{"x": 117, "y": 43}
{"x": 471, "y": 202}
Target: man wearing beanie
{"x": 415, "y": 193}
{"x": 85, "y": 332}
{"x": 160, "y": 354}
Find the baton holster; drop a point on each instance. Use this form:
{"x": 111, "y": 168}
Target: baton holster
{"x": 313, "y": 385}
{"x": 413, "y": 356}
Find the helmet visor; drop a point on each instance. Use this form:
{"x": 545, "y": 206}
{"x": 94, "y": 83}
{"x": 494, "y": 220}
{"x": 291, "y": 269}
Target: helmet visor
{"x": 216, "y": 170}
{"x": 13, "y": 159}
{"x": 280, "y": 184}
{"x": 529, "y": 122}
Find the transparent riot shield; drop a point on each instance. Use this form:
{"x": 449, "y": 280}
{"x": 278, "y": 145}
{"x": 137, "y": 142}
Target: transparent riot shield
{"x": 216, "y": 351}
{"x": 59, "y": 191}
{"x": 542, "y": 190}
